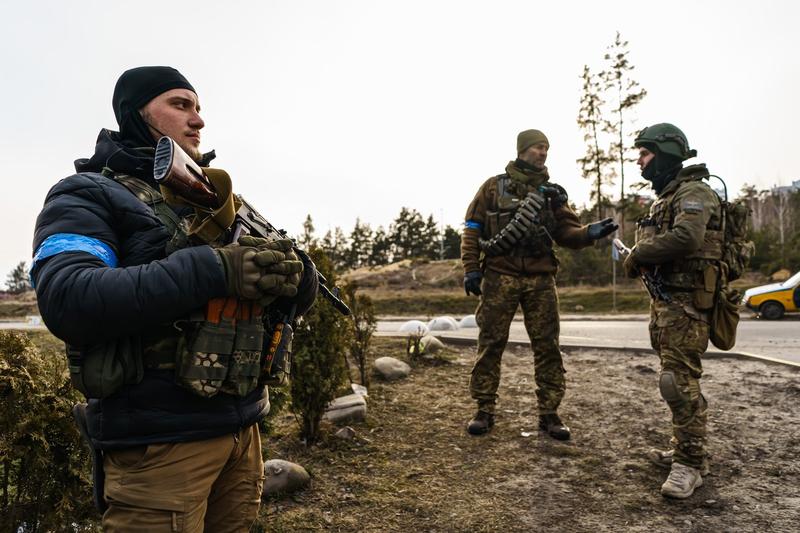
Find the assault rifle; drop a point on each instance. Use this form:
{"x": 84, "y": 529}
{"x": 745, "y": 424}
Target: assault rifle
{"x": 175, "y": 170}
{"x": 652, "y": 282}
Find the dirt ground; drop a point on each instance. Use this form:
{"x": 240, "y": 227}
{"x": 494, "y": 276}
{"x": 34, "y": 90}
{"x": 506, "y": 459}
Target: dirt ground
{"x": 412, "y": 466}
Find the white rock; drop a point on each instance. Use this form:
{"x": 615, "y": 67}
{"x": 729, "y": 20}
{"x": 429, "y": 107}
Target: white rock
{"x": 343, "y": 402}
{"x": 443, "y": 323}
{"x": 468, "y": 322}
{"x": 361, "y": 390}
{"x": 391, "y": 369}
{"x": 414, "y": 327}
{"x": 345, "y": 433}
{"x": 430, "y": 344}
{"x": 283, "y": 477}
{"x": 350, "y": 408}
{"x": 355, "y": 413}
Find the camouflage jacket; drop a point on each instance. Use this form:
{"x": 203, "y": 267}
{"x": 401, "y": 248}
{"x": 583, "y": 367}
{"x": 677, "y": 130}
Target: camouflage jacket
{"x": 682, "y": 233}
{"x": 562, "y": 222}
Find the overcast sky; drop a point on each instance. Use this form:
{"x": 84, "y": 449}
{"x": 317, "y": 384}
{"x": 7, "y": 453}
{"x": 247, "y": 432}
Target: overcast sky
{"x": 358, "y": 108}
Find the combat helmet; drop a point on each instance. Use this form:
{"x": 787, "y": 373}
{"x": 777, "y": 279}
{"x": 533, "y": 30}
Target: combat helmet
{"x": 669, "y": 139}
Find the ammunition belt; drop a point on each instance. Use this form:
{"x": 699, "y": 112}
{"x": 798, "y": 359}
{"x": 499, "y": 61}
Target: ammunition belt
{"x": 526, "y": 217}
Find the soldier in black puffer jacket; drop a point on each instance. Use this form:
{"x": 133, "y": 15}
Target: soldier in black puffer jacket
{"x": 107, "y": 278}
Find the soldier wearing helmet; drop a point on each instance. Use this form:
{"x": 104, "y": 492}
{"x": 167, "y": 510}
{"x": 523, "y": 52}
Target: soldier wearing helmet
{"x": 681, "y": 242}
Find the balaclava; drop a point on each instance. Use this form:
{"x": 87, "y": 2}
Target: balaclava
{"x": 662, "y": 168}
{"x": 134, "y": 89}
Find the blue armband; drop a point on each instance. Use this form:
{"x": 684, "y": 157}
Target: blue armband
{"x": 72, "y": 242}
{"x": 473, "y": 225}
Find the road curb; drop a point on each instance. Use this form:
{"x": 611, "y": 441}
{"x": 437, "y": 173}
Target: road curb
{"x": 710, "y": 354}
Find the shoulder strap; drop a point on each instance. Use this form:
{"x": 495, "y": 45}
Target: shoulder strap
{"x": 153, "y": 197}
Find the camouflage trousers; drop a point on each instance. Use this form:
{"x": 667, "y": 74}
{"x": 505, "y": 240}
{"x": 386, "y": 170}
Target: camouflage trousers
{"x": 679, "y": 333}
{"x": 502, "y": 295}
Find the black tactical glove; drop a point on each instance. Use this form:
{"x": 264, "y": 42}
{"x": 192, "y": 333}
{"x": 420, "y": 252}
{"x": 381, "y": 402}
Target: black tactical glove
{"x": 472, "y": 283}
{"x": 598, "y": 230}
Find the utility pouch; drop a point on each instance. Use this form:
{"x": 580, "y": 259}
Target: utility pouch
{"x": 703, "y": 296}
{"x": 245, "y": 363}
{"x": 203, "y": 359}
{"x": 102, "y": 369}
{"x": 276, "y": 366}
{"x": 725, "y": 318}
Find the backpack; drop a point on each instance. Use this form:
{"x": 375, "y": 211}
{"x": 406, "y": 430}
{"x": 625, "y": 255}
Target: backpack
{"x": 736, "y": 249}
{"x": 736, "y": 254}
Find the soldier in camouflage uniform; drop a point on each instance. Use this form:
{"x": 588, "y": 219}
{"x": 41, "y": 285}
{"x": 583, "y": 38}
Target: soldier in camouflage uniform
{"x": 680, "y": 242}
{"x": 506, "y": 276}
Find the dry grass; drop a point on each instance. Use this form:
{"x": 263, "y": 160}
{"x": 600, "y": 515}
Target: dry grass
{"x": 412, "y": 467}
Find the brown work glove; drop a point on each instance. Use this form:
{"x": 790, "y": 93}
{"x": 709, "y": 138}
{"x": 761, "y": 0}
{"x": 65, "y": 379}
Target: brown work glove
{"x": 241, "y": 271}
{"x": 291, "y": 266}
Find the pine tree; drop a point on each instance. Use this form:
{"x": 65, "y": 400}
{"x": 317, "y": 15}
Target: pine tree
{"x": 452, "y": 243}
{"x": 381, "y": 249}
{"x": 431, "y": 239}
{"x": 595, "y": 163}
{"x": 407, "y": 235}
{"x": 18, "y": 280}
{"x": 308, "y": 239}
{"x": 360, "y": 247}
{"x": 318, "y": 366}
{"x": 625, "y": 95}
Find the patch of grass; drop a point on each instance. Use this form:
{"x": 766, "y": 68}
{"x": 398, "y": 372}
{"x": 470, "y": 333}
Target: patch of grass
{"x": 436, "y": 302}
{"x": 17, "y": 309}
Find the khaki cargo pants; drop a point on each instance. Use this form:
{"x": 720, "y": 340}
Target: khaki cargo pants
{"x": 502, "y": 295}
{"x": 212, "y": 485}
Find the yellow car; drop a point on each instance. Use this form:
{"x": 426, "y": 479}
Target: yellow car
{"x": 771, "y": 301}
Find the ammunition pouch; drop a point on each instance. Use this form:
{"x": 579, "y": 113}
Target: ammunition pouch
{"x": 100, "y": 370}
{"x": 223, "y": 351}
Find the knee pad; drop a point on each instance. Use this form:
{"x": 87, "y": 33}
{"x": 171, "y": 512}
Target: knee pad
{"x": 669, "y": 387}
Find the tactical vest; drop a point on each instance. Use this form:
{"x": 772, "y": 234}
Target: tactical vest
{"x": 698, "y": 271}
{"x": 538, "y": 241}
{"x": 219, "y": 351}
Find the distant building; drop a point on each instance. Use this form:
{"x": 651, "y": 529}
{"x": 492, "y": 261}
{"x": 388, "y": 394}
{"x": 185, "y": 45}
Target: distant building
{"x": 787, "y": 189}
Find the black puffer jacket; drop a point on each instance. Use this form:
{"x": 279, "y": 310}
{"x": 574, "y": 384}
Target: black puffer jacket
{"x": 84, "y": 301}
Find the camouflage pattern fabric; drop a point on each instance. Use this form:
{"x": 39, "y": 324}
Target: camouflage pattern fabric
{"x": 502, "y": 295}
{"x": 679, "y": 334}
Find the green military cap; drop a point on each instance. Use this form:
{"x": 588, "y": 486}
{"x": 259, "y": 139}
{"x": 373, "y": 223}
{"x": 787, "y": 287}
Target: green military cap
{"x": 528, "y": 138}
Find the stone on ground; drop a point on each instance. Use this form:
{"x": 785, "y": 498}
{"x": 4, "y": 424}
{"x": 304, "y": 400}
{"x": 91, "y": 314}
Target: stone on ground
{"x": 350, "y": 408}
{"x": 468, "y": 322}
{"x": 391, "y": 369}
{"x": 414, "y": 327}
{"x": 443, "y": 323}
{"x": 283, "y": 477}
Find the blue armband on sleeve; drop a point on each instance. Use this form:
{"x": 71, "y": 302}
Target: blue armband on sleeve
{"x": 473, "y": 225}
{"x": 72, "y": 242}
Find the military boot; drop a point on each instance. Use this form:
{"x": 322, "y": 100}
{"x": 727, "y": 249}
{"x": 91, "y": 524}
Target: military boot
{"x": 663, "y": 458}
{"x": 682, "y": 481}
{"x": 481, "y": 423}
{"x": 552, "y": 424}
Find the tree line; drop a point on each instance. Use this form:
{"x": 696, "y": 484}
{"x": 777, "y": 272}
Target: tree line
{"x": 409, "y": 236}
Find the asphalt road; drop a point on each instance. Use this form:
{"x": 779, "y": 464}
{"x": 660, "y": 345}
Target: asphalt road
{"x": 771, "y": 339}
{"x": 775, "y": 340}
